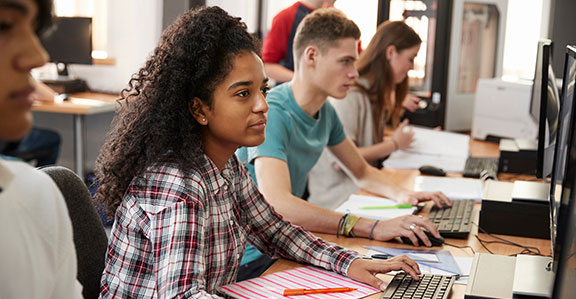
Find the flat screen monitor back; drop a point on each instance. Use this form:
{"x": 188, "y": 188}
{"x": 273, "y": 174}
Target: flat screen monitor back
{"x": 70, "y": 41}
{"x": 544, "y": 108}
{"x": 564, "y": 159}
{"x": 565, "y": 247}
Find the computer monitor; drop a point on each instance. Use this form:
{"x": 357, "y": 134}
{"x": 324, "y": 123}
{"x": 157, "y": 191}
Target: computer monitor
{"x": 564, "y": 164}
{"x": 70, "y": 42}
{"x": 565, "y": 247}
{"x": 544, "y": 108}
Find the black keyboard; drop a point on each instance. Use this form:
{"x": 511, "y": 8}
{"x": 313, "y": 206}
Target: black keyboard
{"x": 429, "y": 287}
{"x": 455, "y": 221}
{"x": 481, "y": 168}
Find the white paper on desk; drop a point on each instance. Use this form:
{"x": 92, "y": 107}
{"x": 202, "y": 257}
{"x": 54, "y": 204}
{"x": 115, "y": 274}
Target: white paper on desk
{"x": 464, "y": 263}
{"x": 454, "y": 188}
{"x": 355, "y": 202}
{"x": 439, "y": 143}
{"x": 441, "y": 149}
{"x": 403, "y": 159}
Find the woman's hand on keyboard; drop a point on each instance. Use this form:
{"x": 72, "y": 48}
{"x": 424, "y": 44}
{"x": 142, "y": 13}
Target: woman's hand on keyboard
{"x": 414, "y": 198}
{"x": 365, "y": 270}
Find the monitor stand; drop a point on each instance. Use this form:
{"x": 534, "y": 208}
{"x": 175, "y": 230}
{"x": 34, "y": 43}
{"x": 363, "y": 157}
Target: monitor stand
{"x": 498, "y": 276}
{"x": 533, "y": 276}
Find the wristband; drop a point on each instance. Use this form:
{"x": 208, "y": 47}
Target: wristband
{"x": 372, "y": 229}
{"x": 349, "y": 225}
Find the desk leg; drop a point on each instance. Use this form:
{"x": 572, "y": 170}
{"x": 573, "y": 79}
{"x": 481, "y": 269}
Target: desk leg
{"x": 79, "y": 144}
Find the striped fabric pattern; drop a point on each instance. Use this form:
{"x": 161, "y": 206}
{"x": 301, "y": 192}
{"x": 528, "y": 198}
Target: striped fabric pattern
{"x": 179, "y": 235}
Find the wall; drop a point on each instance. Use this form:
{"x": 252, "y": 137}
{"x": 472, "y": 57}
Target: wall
{"x": 134, "y": 30}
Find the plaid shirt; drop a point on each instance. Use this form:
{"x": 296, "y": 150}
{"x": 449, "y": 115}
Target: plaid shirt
{"x": 184, "y": 236}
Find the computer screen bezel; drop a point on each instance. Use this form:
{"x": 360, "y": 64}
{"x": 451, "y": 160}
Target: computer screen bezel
{"x": 545, "y": 104}
{"x": 567, "y": 212}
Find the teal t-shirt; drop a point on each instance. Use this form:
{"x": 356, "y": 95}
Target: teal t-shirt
{"x": 295, "y": 137}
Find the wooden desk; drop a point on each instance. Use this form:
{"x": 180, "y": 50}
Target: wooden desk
{"x": 405, "y": 178}
{"x": 80, "y": 105}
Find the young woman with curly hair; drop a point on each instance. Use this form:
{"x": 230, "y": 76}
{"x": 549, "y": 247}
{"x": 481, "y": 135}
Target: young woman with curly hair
{"x": 185, "y": 207}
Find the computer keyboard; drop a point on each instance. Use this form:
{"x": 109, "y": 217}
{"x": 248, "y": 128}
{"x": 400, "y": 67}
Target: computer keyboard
{"x": 429, "y": 286}
{"x": 481, "y": 168}
{"x": 455, "y": 221}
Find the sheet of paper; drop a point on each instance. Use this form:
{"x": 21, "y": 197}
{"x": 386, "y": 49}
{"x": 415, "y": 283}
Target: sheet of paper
{"x": 273, "y": 285}
{"x": 445, "y": 150}
{"x": 454, "y": 188}
{"x": 403, "y": 159}
{"x": 464, "y": 263}
{"x": 355, "y": 202}
{"x": 440, "y": 143}
{"x": 425, "y": 257}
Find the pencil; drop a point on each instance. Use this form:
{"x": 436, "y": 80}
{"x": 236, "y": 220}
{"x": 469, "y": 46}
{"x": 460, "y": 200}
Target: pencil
{"x": 295, "y": 292}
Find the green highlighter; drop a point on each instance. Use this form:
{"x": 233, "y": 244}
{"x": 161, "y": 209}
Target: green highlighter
{"x": 398, "y": 206}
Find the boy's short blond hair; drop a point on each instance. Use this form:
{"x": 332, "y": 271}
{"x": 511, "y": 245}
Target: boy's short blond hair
{"x": 323, "y": 28}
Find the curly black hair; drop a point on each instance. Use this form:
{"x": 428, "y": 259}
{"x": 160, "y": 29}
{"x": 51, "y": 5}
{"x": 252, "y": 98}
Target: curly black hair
{"x": 154, "y": 123}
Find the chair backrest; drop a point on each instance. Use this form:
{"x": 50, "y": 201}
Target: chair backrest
{"x": 89, "y": 236}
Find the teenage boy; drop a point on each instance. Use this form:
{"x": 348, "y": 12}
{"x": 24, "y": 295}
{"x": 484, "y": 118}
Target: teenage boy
{"x": 301, "y": 123}
{"x": 37, "y": 255}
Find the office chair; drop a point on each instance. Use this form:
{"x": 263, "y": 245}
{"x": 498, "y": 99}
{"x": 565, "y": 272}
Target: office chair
{"x": 89, "y": 236}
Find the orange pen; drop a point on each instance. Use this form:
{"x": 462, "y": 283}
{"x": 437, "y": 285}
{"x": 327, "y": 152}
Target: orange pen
{"x": 294, "y": 292}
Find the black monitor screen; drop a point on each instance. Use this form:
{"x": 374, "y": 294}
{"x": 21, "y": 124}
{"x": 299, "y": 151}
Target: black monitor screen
{"x": 565, "y": 249}
{"x": 544, "y": 108}
{"x": 70, "y": 41}
{"x": 565, "y": 156}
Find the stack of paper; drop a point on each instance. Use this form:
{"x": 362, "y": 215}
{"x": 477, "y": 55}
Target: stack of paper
{"x": 432, "y": 261}
{"x": 454, "y": 188}
{"x": 373, "y": 207}
{"x": 445, "y": 150}
{"x": 273, "y": 285}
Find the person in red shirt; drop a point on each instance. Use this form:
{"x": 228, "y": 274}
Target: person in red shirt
{"x": 277, "y": 46}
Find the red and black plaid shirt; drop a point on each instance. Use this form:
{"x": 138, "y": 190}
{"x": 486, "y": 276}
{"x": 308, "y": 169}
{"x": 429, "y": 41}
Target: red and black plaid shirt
{"x": 184, "y": 236}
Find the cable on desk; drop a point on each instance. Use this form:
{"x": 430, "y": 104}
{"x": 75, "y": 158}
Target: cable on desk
{"x": 525, "y": 249}
{"x": 461, "y": 247}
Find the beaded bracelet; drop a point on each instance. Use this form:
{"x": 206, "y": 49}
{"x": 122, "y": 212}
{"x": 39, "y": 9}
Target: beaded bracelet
{"x": 372, "y": 229}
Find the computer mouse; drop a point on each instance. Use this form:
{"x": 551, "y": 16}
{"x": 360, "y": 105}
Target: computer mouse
{"x": 435, "y": 241}
{"x": 431, "y": 170}
{"x": 63, "y": 97}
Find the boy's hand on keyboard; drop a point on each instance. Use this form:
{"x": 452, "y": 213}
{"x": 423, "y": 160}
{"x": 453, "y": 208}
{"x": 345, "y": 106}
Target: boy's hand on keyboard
{"x": 365, "y": 270}
{"x": 409, "y": 226}
{"x": 439, "y": 199}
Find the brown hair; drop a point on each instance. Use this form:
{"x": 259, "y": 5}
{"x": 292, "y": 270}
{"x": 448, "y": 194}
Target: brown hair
{"x": 374, "y": 66}
{"x": 323, "y": 28}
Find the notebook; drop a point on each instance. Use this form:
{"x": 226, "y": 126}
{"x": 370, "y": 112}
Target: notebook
{"x": 273, "y": 285}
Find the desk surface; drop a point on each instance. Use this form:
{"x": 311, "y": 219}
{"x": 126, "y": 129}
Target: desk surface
{"x": 83, "y": 103}
{"x": 405, "y": 178}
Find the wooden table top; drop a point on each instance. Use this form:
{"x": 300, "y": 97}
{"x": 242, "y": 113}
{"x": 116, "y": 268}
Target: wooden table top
{"x": 405, "y": 178}
{"x": 83, "y": 103}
